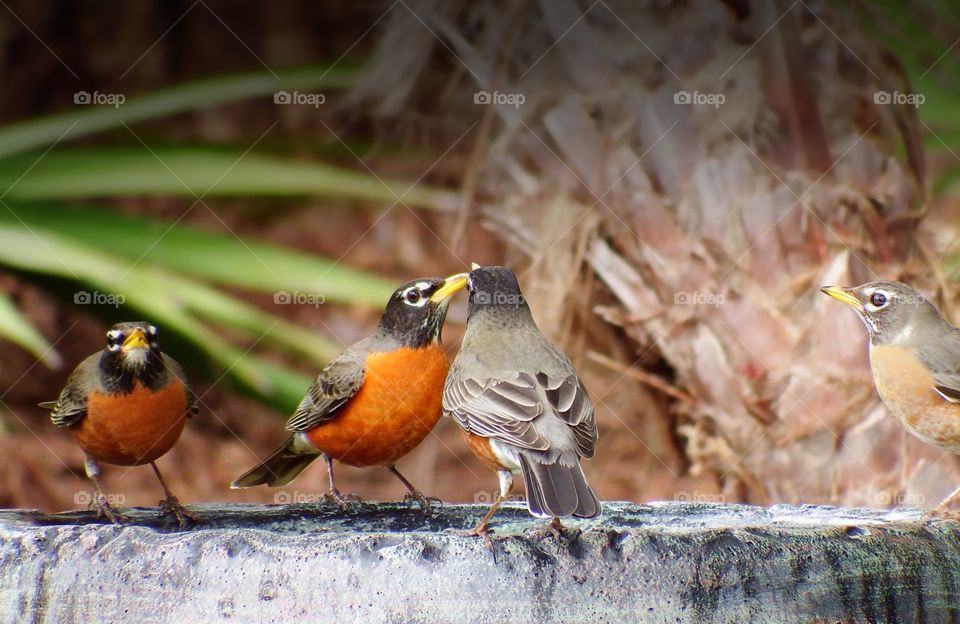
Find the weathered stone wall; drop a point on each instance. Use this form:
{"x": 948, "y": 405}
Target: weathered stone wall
{"x": 666, "y": 562}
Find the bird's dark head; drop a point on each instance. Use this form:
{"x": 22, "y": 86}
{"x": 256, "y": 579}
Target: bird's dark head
{"x": 132, "y": 344}
{"x": 415, "y": 312}
{"x": 132, "y": 354}
{"x": 893, "y": 312}
{"x": 494, "y": 288}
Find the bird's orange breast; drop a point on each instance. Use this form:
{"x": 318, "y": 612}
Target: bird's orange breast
{"x": 394, "y": 410}
{"x": 906, "y": 388}
{"x": 133, "y": 428}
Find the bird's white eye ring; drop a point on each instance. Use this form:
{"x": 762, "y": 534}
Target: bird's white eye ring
{"x": 414, "y": 296}
{"x": 877, "y": 300}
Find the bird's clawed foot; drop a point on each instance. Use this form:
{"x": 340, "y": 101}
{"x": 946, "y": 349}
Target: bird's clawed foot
{"x": 943, "y": 512}
{"x": 556, "y": 530}
{"x": 104, "y": 509}
{"x": 340, "y": 500}
{"x": 481, "y": 530}
{"x": 171, "y": 506}
{"x": 426, "y": 502}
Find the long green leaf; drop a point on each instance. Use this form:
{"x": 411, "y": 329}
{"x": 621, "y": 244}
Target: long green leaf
{"x": 196, "y": 172}
{"x": 220, "y": 257}
{"x": 154, "y": 293}
{"x": 205, "y": 93}
{"x": 19, "y": 331}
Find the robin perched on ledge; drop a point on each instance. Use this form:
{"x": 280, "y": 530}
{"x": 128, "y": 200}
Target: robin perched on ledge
{"x": 126, "y": 405}
{"x": 377, "y": 400}
{"x": 915, "y": 361}
{"x": 520, "y": 403}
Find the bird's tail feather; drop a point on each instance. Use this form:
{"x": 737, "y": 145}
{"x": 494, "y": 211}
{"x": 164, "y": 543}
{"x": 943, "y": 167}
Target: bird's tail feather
{"x": 279, "y": 469}
{"x": 555, "y": 490}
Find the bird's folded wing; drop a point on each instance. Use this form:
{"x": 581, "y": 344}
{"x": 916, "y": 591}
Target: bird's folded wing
{"x": 71, "y": 406}
{"x": 570, "y": 401}
{"x": 505, "y": 409}
{"x": 942, "y": 359}
{"x": 330, "y": 391}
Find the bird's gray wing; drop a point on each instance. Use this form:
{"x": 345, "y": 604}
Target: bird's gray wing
{"x": 193, "y": 405}
{"x": 942, "y": 359}
{"x": 505, "y": 409}
{"x": 572, "y": 404}
{"x": 334, "y": 386}
{"x": 71, "y": 406}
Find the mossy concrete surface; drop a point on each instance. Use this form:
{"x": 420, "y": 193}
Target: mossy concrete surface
{"x": 664, "y": 562}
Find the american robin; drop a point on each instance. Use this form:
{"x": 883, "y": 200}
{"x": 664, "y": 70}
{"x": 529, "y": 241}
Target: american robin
{"x": 376, "y": 401}
{"x": 520, "y": 403}
{"x": 126, "y": 405}
{"x": 915, "y": 360}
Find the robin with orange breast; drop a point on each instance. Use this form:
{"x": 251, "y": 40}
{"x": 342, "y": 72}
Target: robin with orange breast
{"x": 915, "y": 361}
{"x": 126, "y": 405}
{"x": 376, "y": 401}
{"x": 520, "y": 403}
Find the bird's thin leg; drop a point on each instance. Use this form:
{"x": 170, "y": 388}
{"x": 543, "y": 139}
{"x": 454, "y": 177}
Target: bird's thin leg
{"x": 945, "y": 509}
{"x": 100, "y": 503}
{"x": 950, "y": 500}
{"x": 482, "y": 530}
{"x": 171, "y": 504}
{"x": 414, "y": 494}
{"x": 333, "y": 495}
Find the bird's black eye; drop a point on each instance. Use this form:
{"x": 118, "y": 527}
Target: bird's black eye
{"x": 878, "y": 299}
{"x": 412, "y": 296}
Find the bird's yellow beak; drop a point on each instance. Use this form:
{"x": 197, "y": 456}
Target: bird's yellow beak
{"x": 843, "y": 295}
{"x": 136, "y": 340}
{"x": 450, "y": 287}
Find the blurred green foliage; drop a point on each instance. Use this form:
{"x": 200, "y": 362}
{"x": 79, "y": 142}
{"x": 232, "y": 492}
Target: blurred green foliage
{"x": 923, "y": 38}
{"x": 166, "y": 271}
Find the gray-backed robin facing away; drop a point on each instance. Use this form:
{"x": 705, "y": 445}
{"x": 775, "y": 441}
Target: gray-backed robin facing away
{"x": 915, "y": 361}
{"x": 126, "y": 405}
{"x": 520, "y": 403}
{"x": 376, "y": 401}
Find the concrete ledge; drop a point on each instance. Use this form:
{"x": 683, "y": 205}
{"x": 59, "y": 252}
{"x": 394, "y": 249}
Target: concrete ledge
{"x": 666, "y": 562}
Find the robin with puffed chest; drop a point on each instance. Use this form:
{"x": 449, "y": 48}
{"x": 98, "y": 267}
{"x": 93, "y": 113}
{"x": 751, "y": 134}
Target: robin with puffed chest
{"x": 915, "y": 361}
{"x": 520, "y": 403}
{"x": 126, "y": 405}
{"x": 376, "y": 401}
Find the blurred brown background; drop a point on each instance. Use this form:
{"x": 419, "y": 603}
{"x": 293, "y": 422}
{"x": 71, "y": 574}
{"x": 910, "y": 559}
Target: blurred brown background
{"x": 672, "y": 182}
